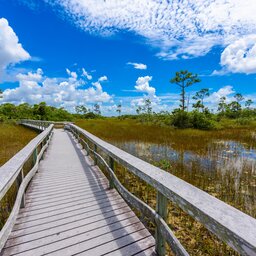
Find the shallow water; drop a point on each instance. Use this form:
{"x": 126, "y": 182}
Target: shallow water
{"x": 226, "y": 169}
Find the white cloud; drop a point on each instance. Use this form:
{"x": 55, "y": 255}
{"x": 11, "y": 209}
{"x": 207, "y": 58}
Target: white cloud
{"x": 142, "y": 85}
{"x": 225, "y": 91}
{"x": 71, "y": 74}
{"x": 103, "y": 78}
{"x": 137, "y": 65}
{"x": 86, "y": 74}
{"x": 240, "y": 56}
{"x": 60, "y": 92}
{"x": 179, "y": 28}
{"x": 11, "y": 51}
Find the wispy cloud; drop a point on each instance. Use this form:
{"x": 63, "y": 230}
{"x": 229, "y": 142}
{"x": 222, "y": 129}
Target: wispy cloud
{"x": 137, "y": 65}
{"x": 179, "y": 28}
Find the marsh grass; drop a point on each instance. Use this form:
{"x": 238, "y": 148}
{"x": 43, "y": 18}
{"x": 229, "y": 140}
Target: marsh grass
{"x": 12, "y": 139}
{"x": 233, "y": 179}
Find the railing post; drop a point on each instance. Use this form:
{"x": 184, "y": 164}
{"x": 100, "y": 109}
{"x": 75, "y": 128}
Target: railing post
{"x": 35, "y": 156}
{"x": 95, "y": 157}
{"x": 42, "y": 145}
{"x": 19, "y": 180}
{"x": 111, "y": 165}
{"x": 161, "y": 209}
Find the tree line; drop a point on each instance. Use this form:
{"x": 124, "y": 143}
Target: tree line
{"x": 200, "y": 116}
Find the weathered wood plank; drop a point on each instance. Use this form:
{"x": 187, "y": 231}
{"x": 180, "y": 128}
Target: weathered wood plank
{"x": 68, "y": 234}
{"x": 134, "y": 248}
{"x": 84, "y": 212}
{"x": 90, "y": 217}
{"x": 94, "y": 239}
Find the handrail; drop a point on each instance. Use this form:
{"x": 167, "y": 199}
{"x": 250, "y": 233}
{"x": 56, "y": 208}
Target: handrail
{"x": 178, "y": 249}
{"x": 230, "y": 225}
{"x": 12, "y": 171}
{"x": 41, "y": 124}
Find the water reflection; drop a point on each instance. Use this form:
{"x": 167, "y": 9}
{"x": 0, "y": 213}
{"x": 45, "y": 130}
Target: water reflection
{"x": 226, "y": 169}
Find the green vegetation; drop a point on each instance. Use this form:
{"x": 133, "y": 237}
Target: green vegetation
{"x": 227, "y": 114}
{"x": 38, "y": 111}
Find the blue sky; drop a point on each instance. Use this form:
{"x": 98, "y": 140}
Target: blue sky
{"x": 74, "y": 52}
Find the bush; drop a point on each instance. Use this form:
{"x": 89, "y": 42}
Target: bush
{"x": 180, "y": 119}
{"x": 201, "y": 121}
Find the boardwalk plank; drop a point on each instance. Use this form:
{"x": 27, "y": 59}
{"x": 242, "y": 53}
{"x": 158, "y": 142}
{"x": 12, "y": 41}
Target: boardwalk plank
{"x": 70, "y": 210}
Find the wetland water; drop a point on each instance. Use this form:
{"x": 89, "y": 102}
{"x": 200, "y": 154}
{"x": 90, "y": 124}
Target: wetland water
{"x": 221, "y": 162}
{"x": 225, "y": 169}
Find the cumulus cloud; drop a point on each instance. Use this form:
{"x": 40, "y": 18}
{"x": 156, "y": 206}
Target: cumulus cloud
{"x": 137, "y": 65}
{"x": 240, "y": 56}
{"x": 11, "y": 51}
{"x": 225, "y": 91}
{"x": 179, "y": 28}
{"x": 68, "y": 92}
{"x": 142, "y": 85}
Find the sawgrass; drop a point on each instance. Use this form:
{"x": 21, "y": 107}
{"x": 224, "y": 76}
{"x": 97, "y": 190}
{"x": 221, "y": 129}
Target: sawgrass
{"x": 222, "y": 182}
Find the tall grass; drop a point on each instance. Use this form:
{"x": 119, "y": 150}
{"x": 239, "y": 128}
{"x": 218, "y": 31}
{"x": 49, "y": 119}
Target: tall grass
{"x": 12, "y": 139}
{"x": 233, "y": 179}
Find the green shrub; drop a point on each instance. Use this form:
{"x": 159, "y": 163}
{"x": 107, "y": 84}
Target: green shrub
{"x": 180, "y": 119}
{"x": 201, "y": 121}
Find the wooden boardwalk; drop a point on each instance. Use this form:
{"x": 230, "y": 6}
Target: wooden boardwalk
{"x": 70, "y": 210}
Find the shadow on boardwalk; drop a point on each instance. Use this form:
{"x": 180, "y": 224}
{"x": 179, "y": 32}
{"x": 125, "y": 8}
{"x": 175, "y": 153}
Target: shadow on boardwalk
{"x": 94, "y": 175}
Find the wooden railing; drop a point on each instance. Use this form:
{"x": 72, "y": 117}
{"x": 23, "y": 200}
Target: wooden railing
{"x": 42, "y": 125}
{"x": 230, "y": 225}
{"x": 13, "y": 172}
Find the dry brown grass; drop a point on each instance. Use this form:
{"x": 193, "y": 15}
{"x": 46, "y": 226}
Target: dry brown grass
{"x": 12, "y": 139}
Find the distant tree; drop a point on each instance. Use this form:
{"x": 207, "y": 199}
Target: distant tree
{"x": 138, "y": 110}
{"x": 24, "y": 111}
{"x": 8, "y": 110}
{"x": 147, "y": 106}
{"x": 40, "y": 110}
{"x": 235, "y": 106}
{"x": 184, "y": 79}
{"x": 198, "y": 105}
{"x": 239, "y": 97}
{"x": 96, "y": 109}
{"x": 248, "y": 103}
{"x": 119, "y": 109}
{"x": 222, "y": 106}
{"x": 1, "y": 94}
{"x": 82, "y": 110}
{"x": 200, "y": 96}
